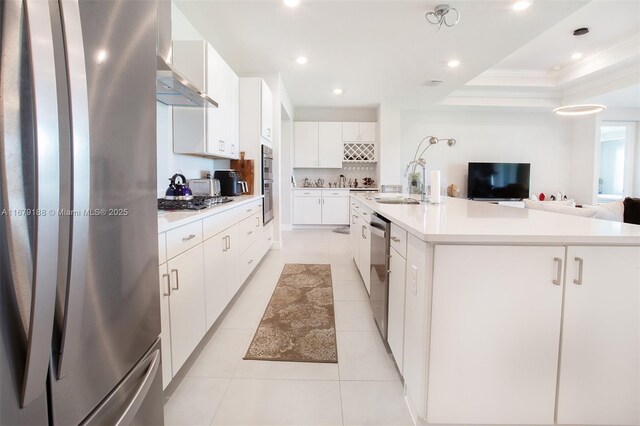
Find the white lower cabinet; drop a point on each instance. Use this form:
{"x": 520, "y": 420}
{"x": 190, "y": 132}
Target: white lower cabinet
{"x": 165, "y": 333}
{"x": 494, "y": 334}
{"x": 307, "y": 209}
{"x": 321, "y": 207}
{"x": 186, "y": 304}
{"x": 395, "y": 323}
{"x": 365, "y": 253}
{"x": 600, "y": 360}
{"x": 198, "y": 282}
{"x": 220, "y": 266}
{"x": 354, "y": 237}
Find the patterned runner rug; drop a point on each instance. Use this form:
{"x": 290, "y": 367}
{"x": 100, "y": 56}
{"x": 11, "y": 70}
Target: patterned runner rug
{"x": 299, "y": 322}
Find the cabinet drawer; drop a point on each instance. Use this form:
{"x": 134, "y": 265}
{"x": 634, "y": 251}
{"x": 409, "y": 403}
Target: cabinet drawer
{"x": 162, "y": 248}
{"x": 215, "y": 224}
{"x": 250, "y": 230}
{"x": 250, "y": 209}
{"x": 335, "y": 192}
{"x": 183, "y": 238}
{"x": 365, "y": 213}
{"x": 268, "y": 236}
{"x": 309, "y": 193}
{"x": 248, "y": 260}
{"x": 399, "y": 240}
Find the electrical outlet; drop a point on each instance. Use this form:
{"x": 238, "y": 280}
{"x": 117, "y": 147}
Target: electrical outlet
{"x": 413, "y": 278}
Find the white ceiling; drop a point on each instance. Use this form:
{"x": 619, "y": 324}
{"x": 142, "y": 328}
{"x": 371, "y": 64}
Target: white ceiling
{"x": 375, "y": 50}
{"x": 609, "y": 22}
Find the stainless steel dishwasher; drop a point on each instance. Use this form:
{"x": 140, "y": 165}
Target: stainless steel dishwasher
{"x": 380, "y": 228}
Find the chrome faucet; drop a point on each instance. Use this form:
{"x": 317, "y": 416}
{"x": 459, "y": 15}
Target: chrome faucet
{"x": 422, "y": 163}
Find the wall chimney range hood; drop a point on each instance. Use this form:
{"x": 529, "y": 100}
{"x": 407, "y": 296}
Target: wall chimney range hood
{"x": 172, "y": 88}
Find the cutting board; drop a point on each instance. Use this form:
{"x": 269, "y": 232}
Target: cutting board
{"x": 246, "y": 169}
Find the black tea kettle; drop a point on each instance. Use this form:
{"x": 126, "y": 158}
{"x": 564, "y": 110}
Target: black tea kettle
{"x": 178, "y": 189}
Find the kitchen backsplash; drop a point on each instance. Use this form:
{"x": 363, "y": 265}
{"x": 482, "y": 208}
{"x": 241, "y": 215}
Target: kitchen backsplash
{"x": 355, "y": 171}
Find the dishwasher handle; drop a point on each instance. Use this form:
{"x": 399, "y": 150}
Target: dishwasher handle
{"x": 377, "y": 231}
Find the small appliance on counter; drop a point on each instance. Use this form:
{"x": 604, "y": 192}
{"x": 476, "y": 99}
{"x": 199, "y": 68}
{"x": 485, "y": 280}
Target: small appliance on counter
{"x": 178, "y": 189}
{"x": 205, "y": 187}
{"x": 231, "y": 183}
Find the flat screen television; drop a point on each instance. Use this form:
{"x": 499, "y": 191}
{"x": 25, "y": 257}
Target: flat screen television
{"x": 498, "y": 181}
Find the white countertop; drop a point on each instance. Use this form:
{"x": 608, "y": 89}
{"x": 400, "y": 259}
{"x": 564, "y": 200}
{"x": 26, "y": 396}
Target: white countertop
{"x": 464, "y": 221}
{"x": 337, "y": 189}
{"x": 173, "y": 219}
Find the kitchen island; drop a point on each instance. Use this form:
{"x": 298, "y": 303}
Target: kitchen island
{"x": 498, "y": 315}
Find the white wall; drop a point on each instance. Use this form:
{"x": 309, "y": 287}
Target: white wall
{"x": 389, "y": 145}
{"x": 336, "y": 114}
{"x": 541, "y": 139}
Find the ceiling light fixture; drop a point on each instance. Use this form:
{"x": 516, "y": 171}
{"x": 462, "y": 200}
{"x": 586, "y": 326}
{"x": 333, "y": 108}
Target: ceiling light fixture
{"x": 337, "y": 91}
{"x": 291, "y": 3}
{"x": 439, "y": 16}
{"x": 302, "y": 60}
{"x": 521, "y": 5}
{"x": 577, "y": 33}
{"x": 579, "y": 109}
{"x": 453, "y": 63}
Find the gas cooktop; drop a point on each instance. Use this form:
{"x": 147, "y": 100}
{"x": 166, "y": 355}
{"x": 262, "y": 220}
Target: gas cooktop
{"x": 197, "y": 203}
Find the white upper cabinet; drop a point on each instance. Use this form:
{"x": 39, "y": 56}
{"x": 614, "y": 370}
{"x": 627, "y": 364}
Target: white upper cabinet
{"x": 305, "y": 137}
{"x": 330, "y": 147}
{"x": 207, "y": 131}
{"x": 358, "y": 132}
{"x": 266, "y": 114}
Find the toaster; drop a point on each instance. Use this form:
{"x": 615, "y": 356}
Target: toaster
{"x": 205, "y": 187}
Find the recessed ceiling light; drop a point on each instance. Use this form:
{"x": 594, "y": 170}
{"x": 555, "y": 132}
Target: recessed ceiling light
{"x": 556, "y": 68}
{"x": 453, "y": 63}
{"x": 302, "y": 60}
{"x": 576, "y": 55}
{"x": 291, "y": 3}
{"x": 337, "y": 91}
{"x": 579, "y": 109}
{"x": 521, "y": 5}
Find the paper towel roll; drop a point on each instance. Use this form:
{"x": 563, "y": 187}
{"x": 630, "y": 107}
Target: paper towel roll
{"x": 435, "y": 186}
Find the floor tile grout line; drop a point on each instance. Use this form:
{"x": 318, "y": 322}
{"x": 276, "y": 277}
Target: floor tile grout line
{"x": 220, "y": 403}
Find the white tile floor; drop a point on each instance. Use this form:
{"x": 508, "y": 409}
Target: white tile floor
{"x": 221, "y": 388}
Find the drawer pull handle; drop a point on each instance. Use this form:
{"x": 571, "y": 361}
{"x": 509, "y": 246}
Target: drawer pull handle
{"x": 190, "y": 237}
{"x": 269, "y": 238}
{"x": 580, "y": 261}
{"x": 558, "y": 271}
{"x": 250, "y": 232}
{"x": 395, "y": 239}
{"x": 250, "y": 262}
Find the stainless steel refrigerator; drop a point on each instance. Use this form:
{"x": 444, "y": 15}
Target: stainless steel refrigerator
{"x": 79, "y": 307}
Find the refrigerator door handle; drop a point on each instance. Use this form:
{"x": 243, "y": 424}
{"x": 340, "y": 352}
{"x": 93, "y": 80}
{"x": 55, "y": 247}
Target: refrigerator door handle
{"x": 138, "y": 397}
{"x": 46, "y": 138}
{"x": 80, "y": 148}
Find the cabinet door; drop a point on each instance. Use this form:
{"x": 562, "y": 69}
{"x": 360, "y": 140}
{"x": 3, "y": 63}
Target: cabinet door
{"x": 232, "y": 263}
{"x": 395, "y": 331}
{"x": 307, "y": 210}
{"x": 365, "y": 253}
{"x": 330, "y": 145}
{"x": 186, "y": 304}
{"x": 600, "y": 363}
{"x": 234, "y": 115}
{"x": 266, "y": 115}
{"x": 215, "y": 291}
{"x": 351, "y": 132}
{"x": 165, "y": 324}
{"x": 305, "y": 139}
{"x": 495, "y": 330}
{"x": 354, "y": 234}
{"x": 218, "y": 119}
{"x": 335, "y": 210}
{"x": 367, "y": 132}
